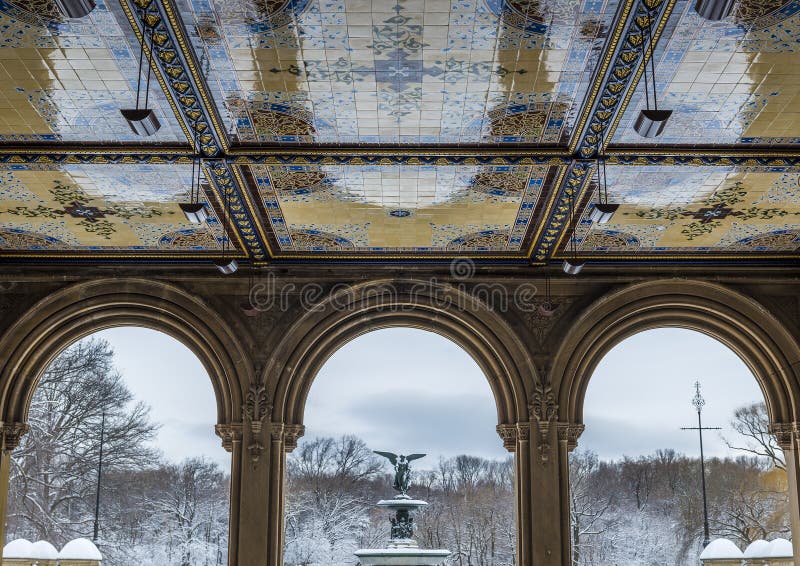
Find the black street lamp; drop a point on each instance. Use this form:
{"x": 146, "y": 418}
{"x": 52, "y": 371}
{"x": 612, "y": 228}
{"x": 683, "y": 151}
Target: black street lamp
{"x": 699, "y": 403}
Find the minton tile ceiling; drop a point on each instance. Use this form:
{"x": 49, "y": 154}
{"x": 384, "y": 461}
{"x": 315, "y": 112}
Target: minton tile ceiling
{"x": 357, "y": 208}
{"x": 101, "y": 208}
{"x": 736, "y": 81}
{"x": 697, "y": 210}
{"x": 397, "y": 130}
{"x": 410, "y": 71}
{"x": 65, "y": 80}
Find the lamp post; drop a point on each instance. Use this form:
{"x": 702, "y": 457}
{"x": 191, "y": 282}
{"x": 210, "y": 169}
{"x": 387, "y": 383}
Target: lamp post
{"x": 698, "y": 402}
{"x": 99, "y": 478}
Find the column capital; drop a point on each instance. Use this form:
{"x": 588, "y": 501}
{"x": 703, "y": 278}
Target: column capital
{"x": 569, "y": 433}
{"x": 292, "y": 434}
{"x": 784, "y": 434}
{"x": 508, "y": 434}
{"x": 12, "y": 434}
{"x": 229, "y": 433}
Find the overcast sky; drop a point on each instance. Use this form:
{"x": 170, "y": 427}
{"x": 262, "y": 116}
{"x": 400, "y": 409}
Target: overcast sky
{"x": 405, "y": 390}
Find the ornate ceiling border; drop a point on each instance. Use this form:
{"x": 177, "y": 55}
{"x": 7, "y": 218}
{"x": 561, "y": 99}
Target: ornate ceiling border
{"x": 242, "y": 215}
{"x": 605, "y": 102}
{"x": 175, "y": 63}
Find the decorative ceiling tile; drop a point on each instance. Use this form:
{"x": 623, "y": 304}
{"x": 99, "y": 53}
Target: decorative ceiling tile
{"x": 120, "y": 208}
{"x": 391, "y": 208}
{"x": 414, "y": 71}
{"x": 66, "y": 80}
{"x": 729, "y": 82}
{"x": 690, "y": 210}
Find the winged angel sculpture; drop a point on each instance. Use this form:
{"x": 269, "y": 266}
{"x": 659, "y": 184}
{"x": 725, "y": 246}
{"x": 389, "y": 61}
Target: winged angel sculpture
{"x": 402, "y": 473}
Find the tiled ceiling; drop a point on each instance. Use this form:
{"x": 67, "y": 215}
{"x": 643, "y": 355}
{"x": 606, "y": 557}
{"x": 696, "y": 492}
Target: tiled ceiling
{"x": 402, "y": 130}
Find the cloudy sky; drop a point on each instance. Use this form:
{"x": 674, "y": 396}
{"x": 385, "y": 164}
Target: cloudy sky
{"x": 405, "y": 390}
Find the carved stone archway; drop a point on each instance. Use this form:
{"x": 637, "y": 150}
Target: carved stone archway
{"x": 482, "y": 333}
{"x": 59, "y": 319}
{"x": 765, "y": 345}
{"x": 739, "y": 322}
{"x": 356, "y": 310}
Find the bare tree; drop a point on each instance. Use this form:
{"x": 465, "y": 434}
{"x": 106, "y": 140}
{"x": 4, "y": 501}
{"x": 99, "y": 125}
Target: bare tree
{"x": 53, "y": 474}
{"x": 587, "y": 504}
{"x": 752, "y": 422}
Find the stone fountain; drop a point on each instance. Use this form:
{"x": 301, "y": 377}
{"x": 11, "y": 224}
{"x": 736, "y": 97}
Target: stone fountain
{"x": 402, "y": 549}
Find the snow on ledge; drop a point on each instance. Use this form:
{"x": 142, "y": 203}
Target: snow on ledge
{"x": 721, "y": 549}
{"x": 43, "y": 550}
{"x": 757, "y": 549}
{"x": 80, "y": 549}
{"x": 19, "y": 548}
{"x": 781, "y": 548}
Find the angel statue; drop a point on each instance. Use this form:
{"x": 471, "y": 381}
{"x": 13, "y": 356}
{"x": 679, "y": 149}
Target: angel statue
{"x": 402, "y": 473}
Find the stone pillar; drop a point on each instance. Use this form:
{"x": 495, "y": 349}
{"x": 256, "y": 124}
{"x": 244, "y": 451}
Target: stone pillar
{"x": 568, "y": 434}
{"x": 547, "y": 489}
{"x": 523, "y": 496}
{"x": 11, "y": 435}
{"x": 231, "y": 435}
{"x": 788, "y": 438}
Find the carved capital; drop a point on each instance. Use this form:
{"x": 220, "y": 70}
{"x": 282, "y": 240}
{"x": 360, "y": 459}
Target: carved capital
{"x": 569, "y": 433}
{"x": 257, "y": 407}
{"x": 12, "y": 434}
{"x": 229, "y": 433}
{"x": 784, "y": 434}
{"x": 523, "y": 431}
{"x": 276, "y": 431}
{"x": 292, "y": 434}
{"x": 508, "y": 433}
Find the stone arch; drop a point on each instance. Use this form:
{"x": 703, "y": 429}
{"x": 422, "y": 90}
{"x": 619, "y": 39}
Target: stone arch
{"x": 74, "y": 312}
{"x": 357, "y": 310}
{"x": 734, "y": 319}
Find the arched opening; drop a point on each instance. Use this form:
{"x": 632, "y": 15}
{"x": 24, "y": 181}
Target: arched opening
{"x": 405, "y": 391}
{"x": 637, "y": 480}
{"x": 74, "y": 312}
{"x": 734, "y": 319}
{"x": 121, "y": 450}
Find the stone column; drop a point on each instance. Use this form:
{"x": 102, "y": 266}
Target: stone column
{"x": 568, "y": 434}
{"x": 549, "y": 483}
{"x": 231, "y": 435}
{"x": 11, "y": 435}
{"x": 523, "y": 480}
{"x": 788, "y": 437}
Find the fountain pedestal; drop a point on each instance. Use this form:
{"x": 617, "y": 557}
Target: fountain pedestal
{"x": 402, "y": 549}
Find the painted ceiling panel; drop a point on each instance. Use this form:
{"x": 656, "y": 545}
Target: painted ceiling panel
{"x": 411, "y": 71}
{"x": 680, "y": 210}
{"x": 65, "y": 80}
{"x": 385, "y": 208}
{"x": 101, "y": 208}
{"x": 727, "y": 82}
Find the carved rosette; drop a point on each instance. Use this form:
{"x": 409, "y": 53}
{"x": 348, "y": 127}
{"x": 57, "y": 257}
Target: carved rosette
{"x": 784, "y": 434}
{"x": 508, "y": 433}
{"x": 543, "y": 410}
{"x": 229, "y": 433}
{"x": 12, "y": 434}
{"x": 569, "y": 433}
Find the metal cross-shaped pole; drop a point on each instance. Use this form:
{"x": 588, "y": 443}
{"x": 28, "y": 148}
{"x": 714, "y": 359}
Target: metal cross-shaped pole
{"x": 698, "y": 403}
{"x": 99, "y": 479}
